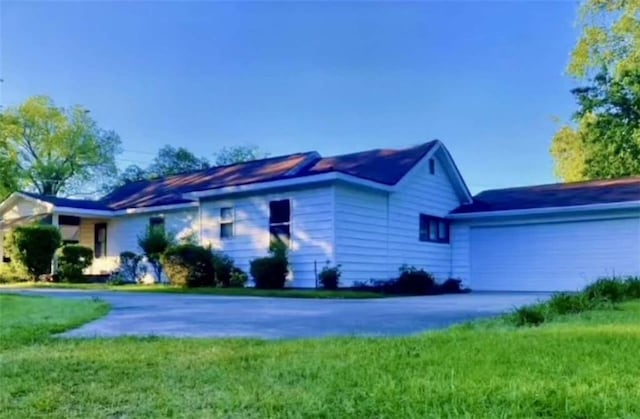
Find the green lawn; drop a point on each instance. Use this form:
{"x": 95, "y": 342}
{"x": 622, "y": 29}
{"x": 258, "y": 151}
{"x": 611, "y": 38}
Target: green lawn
{"x": 582, "y": 366}
{"x": 249, "y": 292}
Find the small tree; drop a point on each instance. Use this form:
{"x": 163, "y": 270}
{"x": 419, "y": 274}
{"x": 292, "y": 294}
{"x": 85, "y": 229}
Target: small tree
{"x": 130, "y": 267}
{"x": 153, "y": 243}
{"x": 33, "y": 247}
{"x": 72, "y": 260}
{"x": 189, "y": 265}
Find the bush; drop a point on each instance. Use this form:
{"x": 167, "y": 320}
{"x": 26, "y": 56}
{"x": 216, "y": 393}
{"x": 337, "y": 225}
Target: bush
{"x": 32, "y": 248}
{"x": 532, "y": 315}
{"x": 189, "y": 265}
{"x": 238, "y": 278}
{"x": 632, "y": 285}
{"x": 154, "y": 242}
{"x": 131, "y": 269}
{"x": 224, "y": 268}
{"x": 413, "y": 281}
{"x": 72, "y": 260}
{"x": 329, "y": 277}
{"x": 452, "y": 286}
{"x": 567, "y": 303}
{"x": 610, "y": 289}
{"x": 12, "y": 272}
{"x": 271, "y": 272}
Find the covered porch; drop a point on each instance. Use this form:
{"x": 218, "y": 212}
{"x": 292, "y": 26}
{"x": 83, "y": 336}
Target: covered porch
{"x": 88, "y": 230}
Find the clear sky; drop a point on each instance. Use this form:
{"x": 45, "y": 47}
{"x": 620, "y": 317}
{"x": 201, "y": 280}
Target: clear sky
{"x": 487, "y": 78}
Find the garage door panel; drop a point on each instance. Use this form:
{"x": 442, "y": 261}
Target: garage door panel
{"x": 553, "y": 256}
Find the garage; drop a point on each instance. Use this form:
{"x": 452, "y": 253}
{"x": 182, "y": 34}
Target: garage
{"x": 553, "y": 256}
{"x": 555, "y": 237}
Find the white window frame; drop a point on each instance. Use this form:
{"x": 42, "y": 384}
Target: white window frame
{"x": 231, "y": 220}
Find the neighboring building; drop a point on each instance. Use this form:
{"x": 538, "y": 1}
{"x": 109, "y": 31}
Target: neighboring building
{"x": 370, "y": 212}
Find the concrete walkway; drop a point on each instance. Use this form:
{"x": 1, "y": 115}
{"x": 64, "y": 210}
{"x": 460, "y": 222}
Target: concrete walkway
{"x": 275, "y": 318}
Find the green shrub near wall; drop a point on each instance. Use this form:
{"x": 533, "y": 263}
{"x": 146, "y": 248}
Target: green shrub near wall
{"x": 72, "y": 261}
{"x": 32, "y": 247}
{"x": 189, "y": 265}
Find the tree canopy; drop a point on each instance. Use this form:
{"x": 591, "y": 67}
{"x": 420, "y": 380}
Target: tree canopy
{"x": 53, "y": 150}
{"x": 171, "y": 161}
{"x": 603, "y": 139}
{"x": 238, "y": 154}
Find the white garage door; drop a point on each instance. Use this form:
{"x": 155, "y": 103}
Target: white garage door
{"x": 553, "y": 256}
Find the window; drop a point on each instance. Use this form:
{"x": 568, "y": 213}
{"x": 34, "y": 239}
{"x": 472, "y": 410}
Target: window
{"x": 156, "y": 222}
{"x": 69, "y": 229}
{"x": 432, "y": 166}
{"x": 434, "y": 229}
{"x": 227, "y": 217}
{"x": 280, "y": 220}
{"x": 100, "y": 240}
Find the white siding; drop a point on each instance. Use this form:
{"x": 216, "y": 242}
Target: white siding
{"x": 460, "y": 251}
{"x": 376, "y": 232}
{"x": 123, "y": 232}
{"x": 311, "y": 230}
{"x": 553, "y": 256}
{"x": 420, "y": 192}
{"x": 361, "y": 234}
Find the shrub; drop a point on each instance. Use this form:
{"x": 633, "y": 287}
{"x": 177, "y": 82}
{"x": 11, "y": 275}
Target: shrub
{"x": 531, "y": 315}
{"x": 414, "y": 281}
{"x": 32, "y": 247}
{"x": 567, "y": 303}
{"x": 72, "y": 260}
{"x": 12, "y": 272}
{"x": 131, "y": 269}
{"x": 632, "y": 285}
{"x": 271, "y": 272}
{"x": 610, "y": 289}
{"x": 452, "y": 286}
{"x": 224, "y": 267}
{"x": 330, "y": 277}
{"x": 154, "y": 242}
{"x": 188, "y": 265}
{"x": 238, "y": 278}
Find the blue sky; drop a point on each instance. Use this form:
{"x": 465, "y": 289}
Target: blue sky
{"x": 487, "y": 78}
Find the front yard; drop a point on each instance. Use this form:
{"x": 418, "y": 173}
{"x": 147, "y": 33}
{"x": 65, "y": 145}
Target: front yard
{"x": 575, "y": 366}
{"x": 168, "y": 289}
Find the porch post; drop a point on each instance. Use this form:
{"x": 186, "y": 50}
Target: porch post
{"x": 1, "y": 246}
{"x": 55, "y": 221}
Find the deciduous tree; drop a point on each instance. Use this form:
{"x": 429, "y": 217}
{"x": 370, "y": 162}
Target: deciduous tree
{"x": 603, "y": 138}
{"x": 53, "y": 150}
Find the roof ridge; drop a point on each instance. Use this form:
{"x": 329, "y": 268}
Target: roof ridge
{"x": 431, "y": 142}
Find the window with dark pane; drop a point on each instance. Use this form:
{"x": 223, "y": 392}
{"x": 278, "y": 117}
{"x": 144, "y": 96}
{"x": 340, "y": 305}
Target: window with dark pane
{"x": 100, "y": 240}
{"x": 280, "y": 220}
{"x": 227, "y": 218}
{"x": 432, "y": 166}
{"x": 69, "y": 229}
{"x": 433, "y": 229}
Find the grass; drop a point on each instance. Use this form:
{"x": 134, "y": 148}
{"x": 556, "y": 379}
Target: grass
{"x": 167, "y": 289}
{"x": 27, "y": 320}
{"x": 576, "y": 366}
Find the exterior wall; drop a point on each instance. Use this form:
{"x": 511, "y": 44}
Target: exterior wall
{"x": 123, "y": 232}
{"x": 460, "y": 251}
{"x": 421, "y": 192}
{"x": 377, "y": 232}
{"x": 546, "y": 253}
{"x": 312, "y": 231}
{"x": 361, "y": 234}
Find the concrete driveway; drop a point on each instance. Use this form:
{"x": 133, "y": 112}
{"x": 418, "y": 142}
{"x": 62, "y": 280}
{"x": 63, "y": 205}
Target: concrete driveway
{"x": 275, "y": 318}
